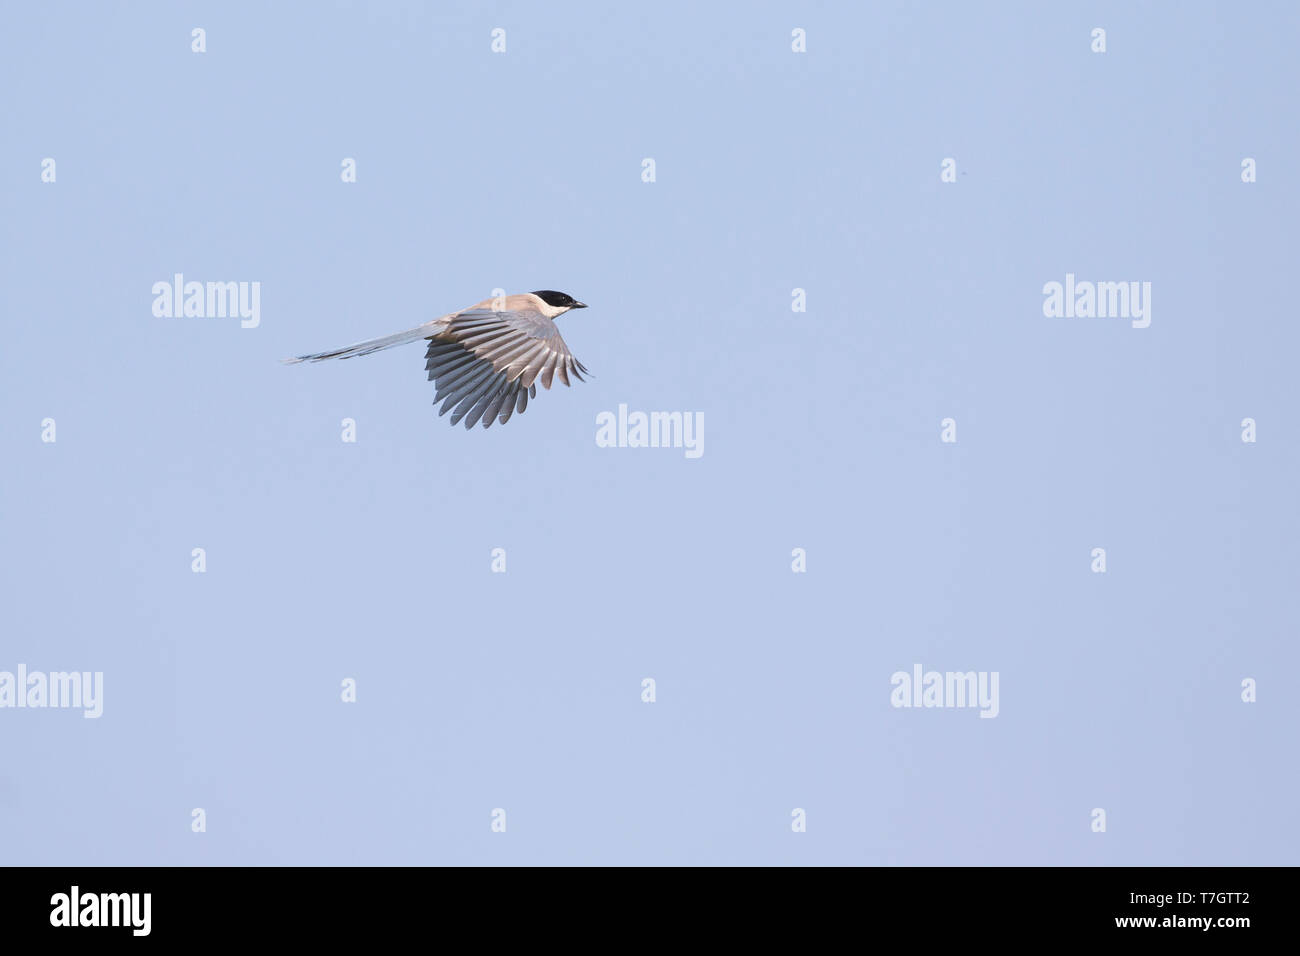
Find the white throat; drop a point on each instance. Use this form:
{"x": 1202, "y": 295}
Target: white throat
{"x": 550, "y": 311}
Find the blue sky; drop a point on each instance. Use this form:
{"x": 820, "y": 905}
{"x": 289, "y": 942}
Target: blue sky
{"x": 371, "y": 560}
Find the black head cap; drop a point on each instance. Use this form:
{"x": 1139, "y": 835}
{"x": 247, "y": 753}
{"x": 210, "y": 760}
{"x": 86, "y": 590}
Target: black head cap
{"x": 560, "y": 300}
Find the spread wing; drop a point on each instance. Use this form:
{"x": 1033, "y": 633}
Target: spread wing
{"x": 486, "y": 364}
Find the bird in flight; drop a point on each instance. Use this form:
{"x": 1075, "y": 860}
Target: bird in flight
{"x": 485, "y": 361}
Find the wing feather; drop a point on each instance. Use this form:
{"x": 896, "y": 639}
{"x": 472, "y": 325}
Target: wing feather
{"x": 470, "y": 387}
{"x": 485, "y": 365}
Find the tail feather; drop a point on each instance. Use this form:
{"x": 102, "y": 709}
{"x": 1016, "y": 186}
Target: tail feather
{"x": 428, "y": 330}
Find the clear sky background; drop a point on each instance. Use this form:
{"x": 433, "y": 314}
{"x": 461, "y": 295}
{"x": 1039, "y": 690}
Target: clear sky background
{"x": 775, "y": 170}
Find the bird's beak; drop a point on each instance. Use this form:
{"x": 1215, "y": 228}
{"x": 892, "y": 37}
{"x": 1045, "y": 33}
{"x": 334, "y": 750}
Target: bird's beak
{"x": 578, "y": 305}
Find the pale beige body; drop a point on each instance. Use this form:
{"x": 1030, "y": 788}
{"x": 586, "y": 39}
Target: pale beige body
{"x": 521, "y": 302}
